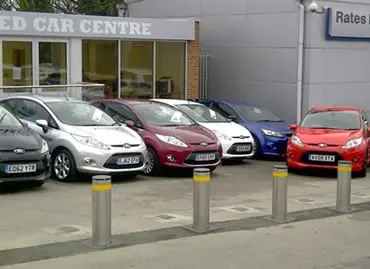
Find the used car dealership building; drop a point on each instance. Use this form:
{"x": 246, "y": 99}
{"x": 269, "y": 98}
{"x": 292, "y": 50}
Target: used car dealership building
{"x": 258, "y": 53}
{"x": 134, "y": 57}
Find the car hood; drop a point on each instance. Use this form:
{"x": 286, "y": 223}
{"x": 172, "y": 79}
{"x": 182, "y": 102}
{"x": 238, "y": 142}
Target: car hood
{"x": 188, "y": 134}
{"x": 23, "y": 138}
{"x": 227, "y": 128}
{"x": 326, "y": 136}
{"x": 110, "y": 135}
{"x": 279, "y": 126}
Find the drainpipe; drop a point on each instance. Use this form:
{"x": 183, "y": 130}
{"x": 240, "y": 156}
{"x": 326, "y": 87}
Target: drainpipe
{"x": 300, "y": 59}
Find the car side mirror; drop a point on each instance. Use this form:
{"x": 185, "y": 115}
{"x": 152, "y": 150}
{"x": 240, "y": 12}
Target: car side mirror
{"x": 130, "y": 123}
{"x": 368, "y": 130}
{"x": 43, "y": 124}
{"x": 293, "y": 127}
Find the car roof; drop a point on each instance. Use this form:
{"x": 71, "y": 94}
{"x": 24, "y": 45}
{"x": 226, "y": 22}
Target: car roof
{"x": 175, "y": 101}
{"x": 336, "y": 108}
{"x": 231, "y": 102}
{"x": 43, "y": 98}
{"x": 128, "y": 101}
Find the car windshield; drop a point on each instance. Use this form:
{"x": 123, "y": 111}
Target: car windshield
{"x": 8, "y": 120}
{"x": 341, "y": 120}
{"x": 202, "y": 113}
{"x": 80, "y": 114}
{"x": 162, "y": 115}
{"x": 254, "y": 113}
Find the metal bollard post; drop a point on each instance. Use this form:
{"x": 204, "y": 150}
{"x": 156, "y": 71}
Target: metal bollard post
{"x": 201, "y": 197}
{"x": 344, "y": 179}
{"x": 102, "y": 206}
{"x": 279, "y": 194}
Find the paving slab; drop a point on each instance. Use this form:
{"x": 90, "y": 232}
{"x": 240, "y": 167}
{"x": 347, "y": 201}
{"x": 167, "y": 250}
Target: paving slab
{"x": 62, "y": 211}
{"x": 340, "y": 242}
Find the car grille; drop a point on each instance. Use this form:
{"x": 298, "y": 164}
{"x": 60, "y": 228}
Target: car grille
{"x": 112, "y": 161}
{"x": 232, "y": 149}
{"x": 304, "y": 158}
{"x": 192, "y": 161}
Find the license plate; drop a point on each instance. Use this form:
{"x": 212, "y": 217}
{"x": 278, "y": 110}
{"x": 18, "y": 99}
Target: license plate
{"x": 205, "y": 157}
{"x": 321, "y": 158}
{"x": 128, "y": 160}
{"x": 20, "y": 168}
{"x": 245, "y": 148}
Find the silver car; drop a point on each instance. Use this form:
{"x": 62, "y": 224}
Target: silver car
{"x": 81, "y": 137}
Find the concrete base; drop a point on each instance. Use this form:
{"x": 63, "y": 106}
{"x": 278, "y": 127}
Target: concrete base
{"x": 287, "y": 220}
{"x": 351, "y": 210}
{"x": 112, "y": 244}
{"x": 210, "y": 229}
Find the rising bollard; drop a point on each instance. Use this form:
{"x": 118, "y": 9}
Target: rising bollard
{"x": 201, "y": 197}
{"x": 102, "y": 208}
{"x": 344, "y": 179}
{"x": 280, "y": 194}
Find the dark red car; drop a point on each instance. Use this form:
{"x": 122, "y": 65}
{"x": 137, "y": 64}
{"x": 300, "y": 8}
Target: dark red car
{"x": 173, "y": 139}
{"x": 327, "y": 135}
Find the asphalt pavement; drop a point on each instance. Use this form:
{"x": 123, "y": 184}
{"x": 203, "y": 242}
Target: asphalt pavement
{"x": 61, "y": 212}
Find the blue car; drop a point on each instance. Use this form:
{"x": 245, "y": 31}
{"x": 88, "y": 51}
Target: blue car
{"x": 270, "y": 133}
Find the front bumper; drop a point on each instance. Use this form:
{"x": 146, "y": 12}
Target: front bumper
{"x": 274, "y": 146}
{"x": 42, "y": 162}
{"x": 176, "y": 157}
{"x": 95, "y": 161}
{"x": 231, "y": 149}
{"x": 297, "y": 157}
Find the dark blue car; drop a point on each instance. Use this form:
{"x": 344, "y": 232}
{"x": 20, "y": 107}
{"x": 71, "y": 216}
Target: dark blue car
{"x": 270, "y": 133}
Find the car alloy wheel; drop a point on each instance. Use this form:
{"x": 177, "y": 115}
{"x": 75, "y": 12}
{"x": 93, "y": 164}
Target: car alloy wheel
{"x": 149, "y": 164}
{"x": 62, "y": 166}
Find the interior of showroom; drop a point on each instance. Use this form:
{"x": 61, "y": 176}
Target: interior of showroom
{"x": 134, "y": 58}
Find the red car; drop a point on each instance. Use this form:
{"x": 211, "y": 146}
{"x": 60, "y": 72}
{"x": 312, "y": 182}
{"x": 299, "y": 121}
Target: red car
{"x": 327, "y": 135}
{"x": 173, "y": 139}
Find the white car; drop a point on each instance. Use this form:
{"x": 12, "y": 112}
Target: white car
{"x": 237, "y": 142}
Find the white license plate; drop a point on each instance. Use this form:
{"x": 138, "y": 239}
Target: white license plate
{"x": 20, "y": 168}
{"x": 128, "y": 160}
{"x": 205, "y": 157}
{"x": 245, "y": 148}
{"x": 321, "y": 158}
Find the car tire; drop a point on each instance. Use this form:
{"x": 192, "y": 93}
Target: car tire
{"x": 153, "y": 167}
{"x": 257, "y": 148}
{"x": 363, "y": 172}
{"x": 62, "y": 160}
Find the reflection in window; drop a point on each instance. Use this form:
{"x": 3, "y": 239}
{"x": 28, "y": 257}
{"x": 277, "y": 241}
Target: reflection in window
{"x": 170, "y": 70}
{"x": 52, "y": 63}
{"x": 136, "y": 69}
{"x": 17, "y": 63}
{"x": 99, "y": 63}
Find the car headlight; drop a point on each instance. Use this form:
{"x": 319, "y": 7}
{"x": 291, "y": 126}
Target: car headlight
{"x": 171, "y": 140}
{"x": 44, "y": 147}
{"x": 272, "y": 133}
{"x": 353, "y": 143}
{"x": 89, "y": 141}
{"x": 296, "y": 141}
{"x": 221, "y": 136}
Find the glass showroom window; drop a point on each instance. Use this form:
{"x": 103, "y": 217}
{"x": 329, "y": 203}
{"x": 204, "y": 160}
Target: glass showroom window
{"x": 17, "y": 64}
{"x": 100, "y": 64}
{"x": 52, "y": 63}
{"x": 136, "y": 69}
{"x": 170, "y": 70}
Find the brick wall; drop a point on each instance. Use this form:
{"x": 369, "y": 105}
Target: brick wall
{"x": 193, "y": 65}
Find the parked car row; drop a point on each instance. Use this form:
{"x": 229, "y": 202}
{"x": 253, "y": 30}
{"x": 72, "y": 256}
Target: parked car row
{"x": 62, "y": 137}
